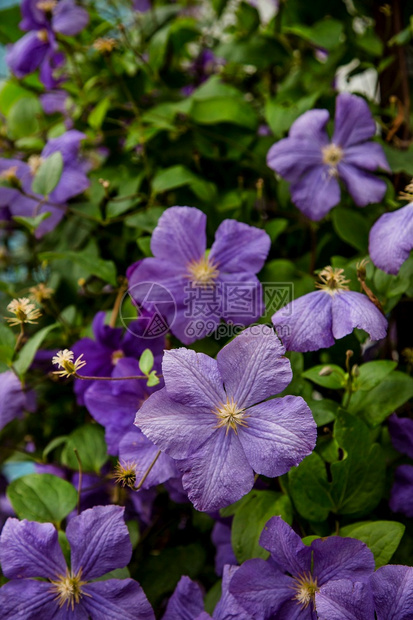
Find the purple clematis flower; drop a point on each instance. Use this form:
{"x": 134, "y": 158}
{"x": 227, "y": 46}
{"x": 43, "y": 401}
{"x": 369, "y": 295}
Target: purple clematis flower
{"x": 38, "y": 48}
{"x": 221, "y": 537}
{"x": 401, "y": 433}
{"x": 393, "y": 592}
{"x": 99, "y": 543}
{"x": 221, "y": 435}
{"x": 345, "y": 599}
{"x": 13, "y": 399}
{"x": 391, "y": 239}
{"x": 110, "y": 347}
{"x": 289, "y": 585}
{"x": 199, "y": 288}
{"x": 313, "y": 164}
{"x": 73, "y": 181}
{"x": 142, "y": 5}
{"x": 186, "y": 603}
{"x": 313, "y": 321}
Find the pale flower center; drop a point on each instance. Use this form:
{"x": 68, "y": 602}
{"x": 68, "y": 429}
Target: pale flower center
{"x": 68, "y": 589}
{"x": 47, "y": 6}
{"x": 332, "y": 155}
{"x": 104, "y": 46}
{"x": 306, "y": 587}
{"x": 332, "y": 280}
{"x": 43, "y": 35}
{"x": 116, "y": 356}
{"x": 34, "y": 161}
{"x": 230, "y": 415}
{"x": 203, "y": 271}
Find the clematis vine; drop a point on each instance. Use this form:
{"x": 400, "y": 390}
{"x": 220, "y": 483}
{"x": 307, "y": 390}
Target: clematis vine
{"x": 44, "y": 19}
{"x": 391, "y": 239}
{"x": 314, "y": 165}
{"x": 19, "y": 198}
{"x": 201, "y": 284}
{"x": 213, "y": 416}
{"x": 313, "y": 321}
{"x": 99, "y": 543}
{"x": 294, "y": 579}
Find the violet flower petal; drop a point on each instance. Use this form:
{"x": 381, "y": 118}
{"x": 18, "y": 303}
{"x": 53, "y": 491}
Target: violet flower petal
{"x": 180, "y": 236}
{"x": 392, "y": 587}
{"x": 391, "y": 239}
{"x": 117, "y": 598}
{"x": 353, "y": 122}
{"x": 352, "y": 310}
{"x": 344, "y": 600}
{"x": 363, "y": 187}
{"x": 239, "y": 247}
{"x": 186, "y": 603}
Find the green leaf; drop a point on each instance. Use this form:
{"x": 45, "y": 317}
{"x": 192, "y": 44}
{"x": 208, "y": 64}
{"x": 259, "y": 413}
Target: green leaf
{"x": 89, "y": 441}
{"x": 352, "y": 227}
{"x": 98, "y": 114}
{"x": 48, "y": 175}
{"x": 8, "y": 342}
{"x": 158, "y": 46}
{"x": 324, "y": 411}
{"x": 274, "y": 228}
{"x": 250, "y": 518}
{"x": 399, "y": 161}
{"x": 391, "y": 393}
{"x": 224, "y": 110}
{"x": 327, "y": 33}
{"x": 104, "y": 269}
{"x": 382, "y": 537}
{"x": 334, "y": 381}
{"x": 310, "y": 489}
{"x": 31, "y": 223}
{"x": 372, "y": 373}
{"x": 42, "y": 497}
{"x": 178, "y": 176}
{"x": 29, "y": 350}
{"x": 146, "y": 361}
{"x": 22, "y": 118}
{"x": 282, "y": 111}
{"x": 153, "y": 379}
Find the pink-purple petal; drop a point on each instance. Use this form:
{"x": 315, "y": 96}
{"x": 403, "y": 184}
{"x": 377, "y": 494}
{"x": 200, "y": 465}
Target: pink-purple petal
{"x": 116, "y": 599}
{"x": 363, "y": 187}
{"x": 279, "y": 434}
{"x": 287, "y": 549}
{"x": 192, "y": 379}
{"x": 391, "y": 239}
{"x": 180, "y": 236}
{"x": 252, "y": 366}
{"x": 239, "y": 247}
{"x": 99, "y": 541}
{"x": 30, "y": 549}
{"x": 218, "y": 474}
{"x": 316, "y": 193}
{"x": 392, "y": 587}
{"x": 353, "y": 121}
{"x": 305, "y": 324}
{"x": 175, "y": 428}
{"x": 352, "y": 310}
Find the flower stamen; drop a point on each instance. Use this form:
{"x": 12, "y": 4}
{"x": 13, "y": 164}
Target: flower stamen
{"x": 306, "y": 587}
{"x": 24, "y": 310}
{"x": 332, "y": 280}
{"x": 203, "y": 272}
{"x": 332, "y": 155}
{"x": 64, "y": 359}
{"x": 230, "y": 415}
{"x": 68, "y": 589}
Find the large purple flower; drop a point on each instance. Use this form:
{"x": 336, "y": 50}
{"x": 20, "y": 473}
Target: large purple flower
{"x": 13, "y": 399}
{"x": 38, "y": 48}
{"x": 391, "y": 239}
{"x": 289, "y": 585}
{"x": 73, "y": 181}
{"x": 313, "y": 321}
{"x": 313, "y": 164}
{"x": 99, "y": 543}
{"x": 186, "y": 603}
{"x": 111, "y": 345}
{"x": 200, "y": 288}
{"x": 393, "y": 592}
{"x": 213, "y": 416}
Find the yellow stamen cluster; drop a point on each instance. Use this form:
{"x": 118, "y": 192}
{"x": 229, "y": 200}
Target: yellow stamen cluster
{"x": 306, "y": 587}
{"x": 332, "y": 156}
{"x": 407, "y": 194}
{"x": 203, "y": 272}
{"x": 125, "y": 474}
{"x": 24, "y": 310}
{"x": 104, "y": 46}
{"x": 47, "y": 6}
{"x": 230, "y": 415}
{"x": 68, "y": 589}
{"x": 40, "y": 292}
{"x": 10, "y": 175}
{"x": 43, "y": 35}
{"x": 34, "y": 161}
{"x": 64, "y": 359}
{"x": 116, "y": 356}
{"x": 332, "y": 280}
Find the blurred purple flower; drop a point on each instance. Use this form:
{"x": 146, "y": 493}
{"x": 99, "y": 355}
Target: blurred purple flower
{"x": 313, "y": 321}
{"x": 290, "y": 584}
{"x": 38, "y": 48}
{"x": 391, "y": 239}
{"x": 197, "y": 281}
{"x": 401, "y": 434}
{"x": 393, "y": 592}
{"x": 142, "y": 5}
{"x": 110, "y": 347}
{"x": 221, "y": 537}
{"x": 14, "y": 400}
{"x": 99, "y": 543}
{"x": 73, "y": 181}
{"x": 313, "y": 164}
{"x": 186, "y": 603}
{"x": 221, "y": 435}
